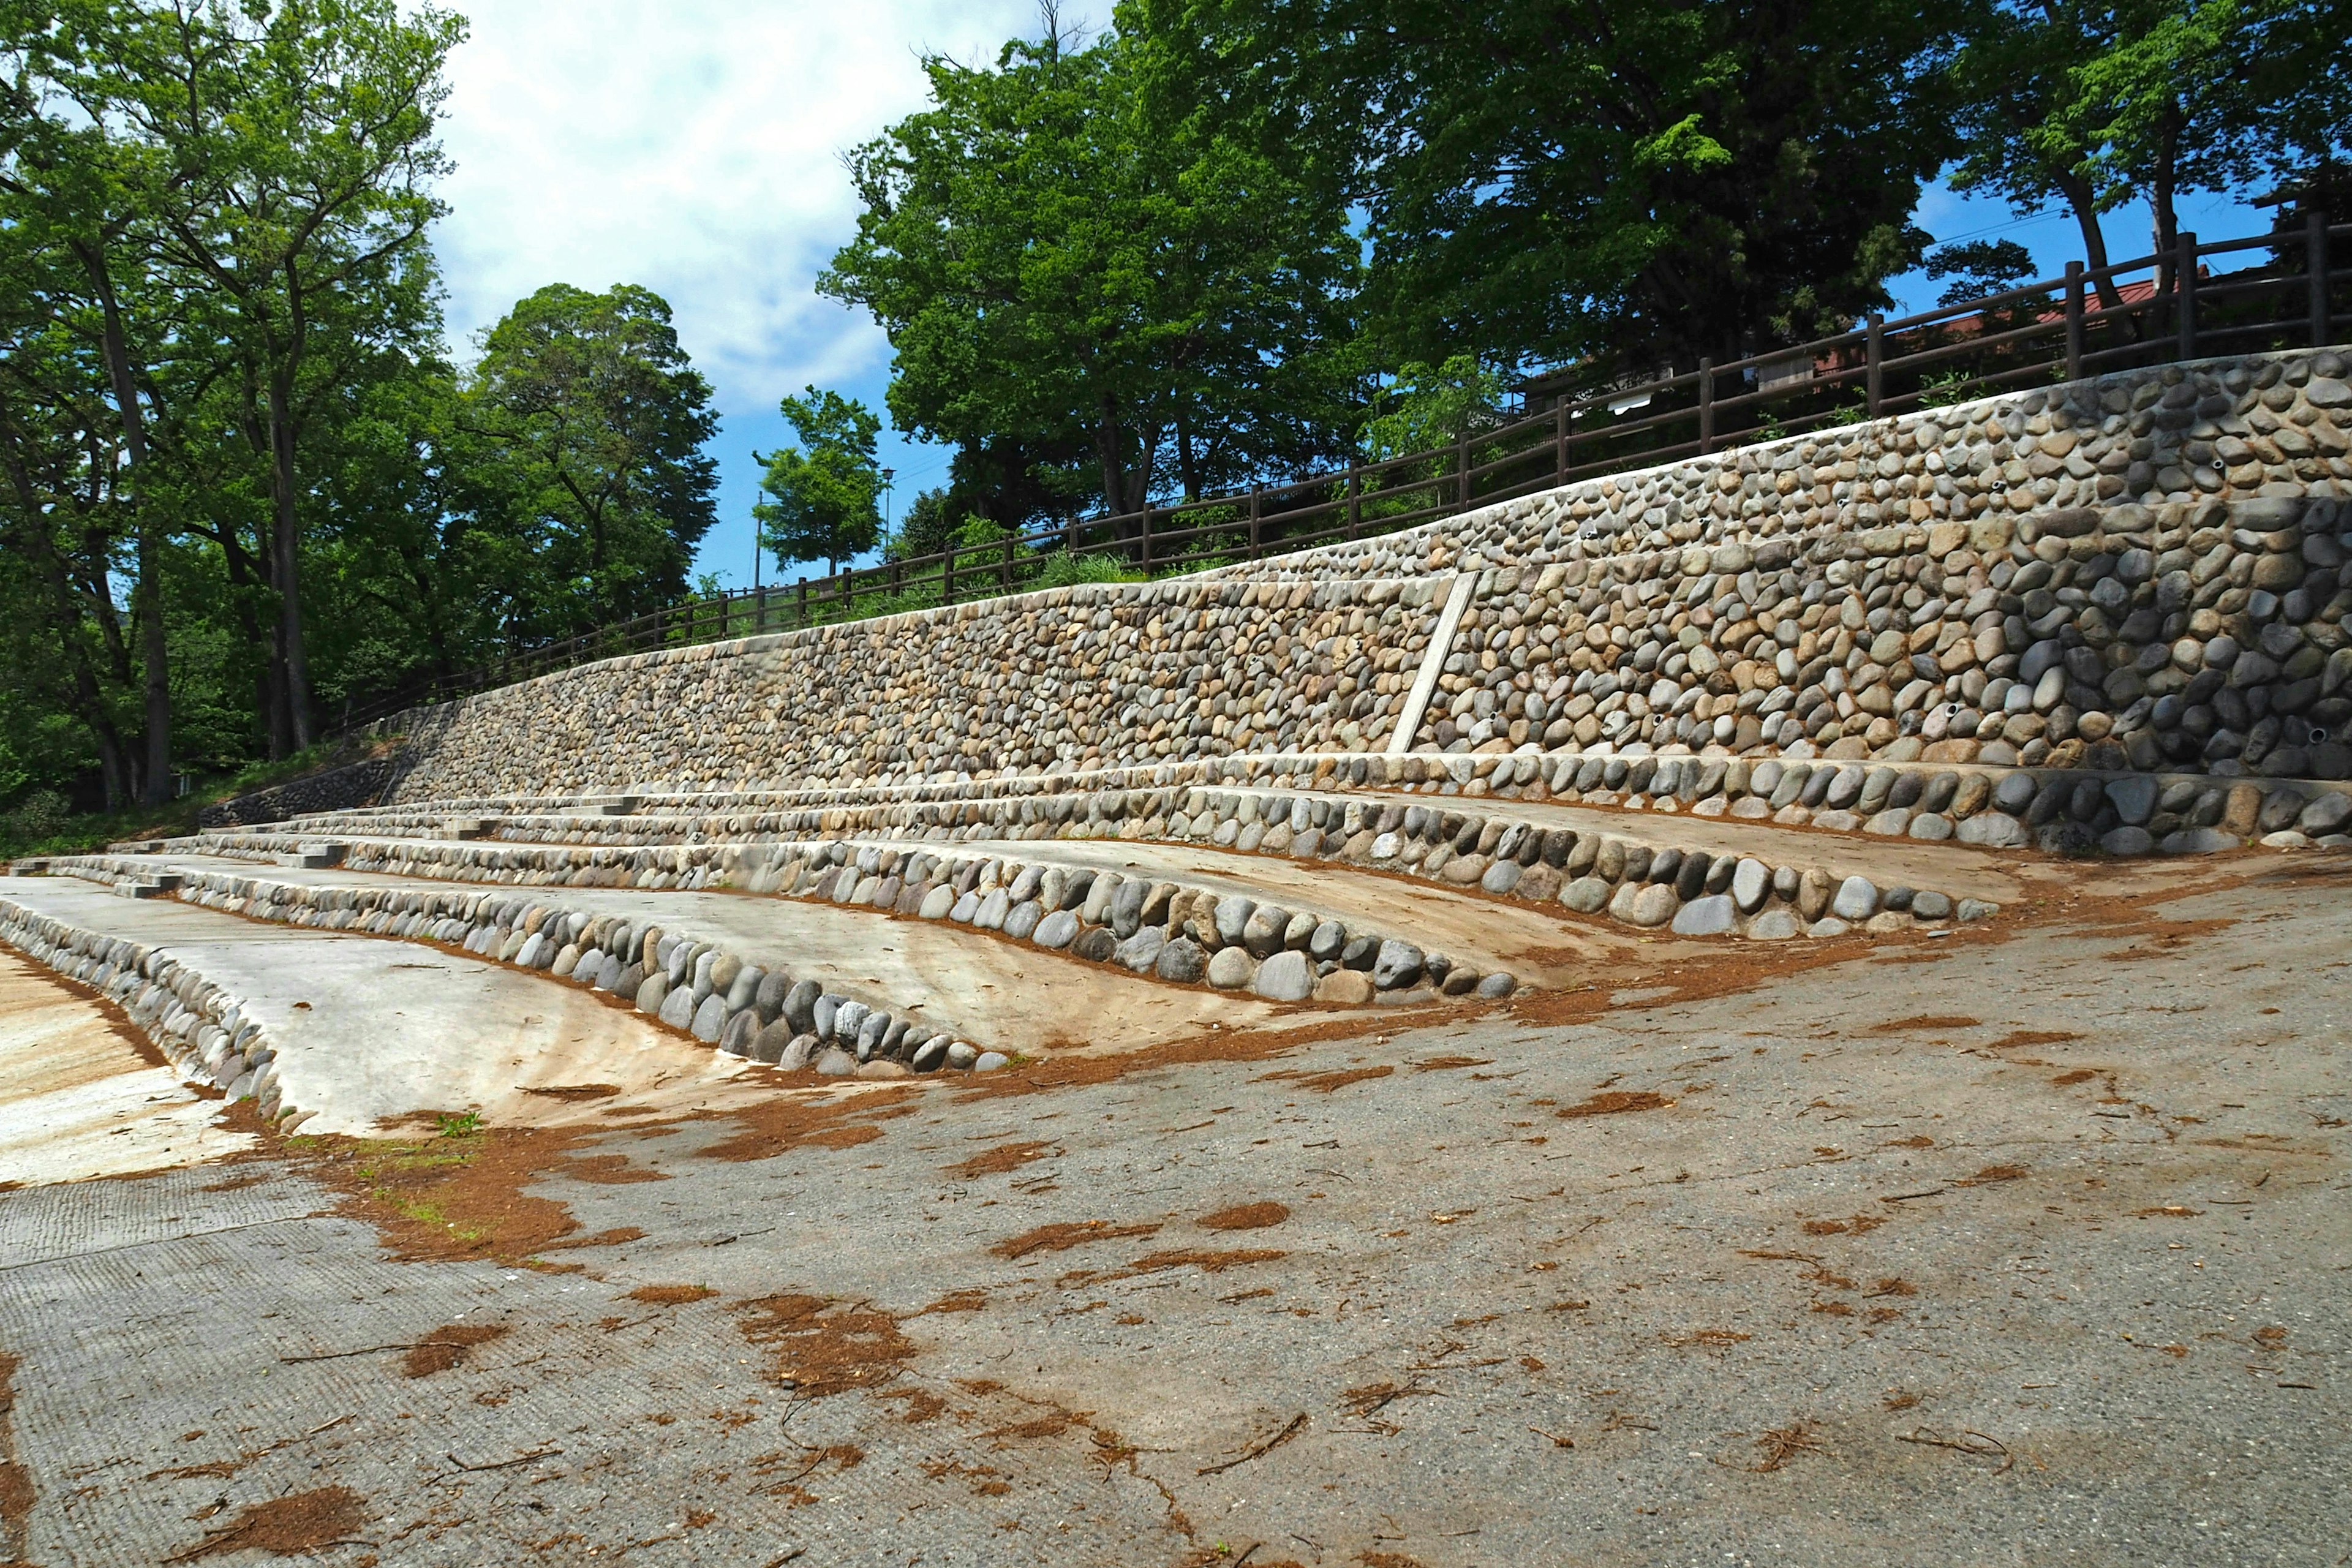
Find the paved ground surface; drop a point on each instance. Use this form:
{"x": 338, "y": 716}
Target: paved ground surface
{"x": 2026, "y": 1245}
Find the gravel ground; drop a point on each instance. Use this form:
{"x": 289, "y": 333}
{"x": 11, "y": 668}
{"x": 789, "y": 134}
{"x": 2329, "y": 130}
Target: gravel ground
{"x": 2024, "y": 1246}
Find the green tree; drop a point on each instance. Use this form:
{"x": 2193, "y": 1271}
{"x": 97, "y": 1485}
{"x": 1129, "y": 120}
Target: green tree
{"x": 1609, "y": 183}
{"x": 824, "y": 503}
{"x": 290, "y": 151}
{"x": 1979, "y": 267}
{"x": 585, "y": 423}
{"x": 1102, "y": 276}
{"x": 2096, "y": 103}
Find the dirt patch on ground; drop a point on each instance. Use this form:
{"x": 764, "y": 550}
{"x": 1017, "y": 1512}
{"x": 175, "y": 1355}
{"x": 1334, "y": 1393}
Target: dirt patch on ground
{"x": 671, "y": 1295}
{"x": 569, "y": 1092}
{"x": 15, "y": 1481}
{"x": 1206, "y": 1261}
{"x": 997, "y": 1161}
{"x": 1329, "y": 1083}
{"x": 1082, "y": 1070}
{"x": 1245, "y": 1217}
{"x": 442, "y": 1198}
{"x": 1617, "y": 1102}
{"x": 287, "y": 1526}
{"x": 821, "y": 1348}
{"x": 1062, "y": 1237}
{"x": 1443, "y": 1064}
{"x": 448, "y": 1345}
{"x": 1927, "y": 1021}
{"x": 792, "y": 1121}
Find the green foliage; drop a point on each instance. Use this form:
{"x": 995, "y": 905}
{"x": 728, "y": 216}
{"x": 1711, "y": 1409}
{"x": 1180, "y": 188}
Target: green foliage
{"x": 824, "y": 503}
{"x": 1979, "y": 267}
{"x": 1621, "y": 184}
{"x": 585, "y": 423}
{"x": 1101, "y": 274}
{"x": 1941, "y": 389}
{"x": 241, "y": 486}
{"x": 1426, "y": 408}
{"x": 2095, "y": 105}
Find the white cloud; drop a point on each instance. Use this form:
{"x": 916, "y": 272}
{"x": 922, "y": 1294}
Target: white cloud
{"x": 692, "y": 146}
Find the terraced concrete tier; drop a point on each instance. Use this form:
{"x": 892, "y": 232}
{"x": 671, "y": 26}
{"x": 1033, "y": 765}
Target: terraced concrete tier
{"x": 83, "y": 1094}
{"x": 1001, "y": 994}
{"x": 1964, "y": 872}
{"x": 369, "y": 1031}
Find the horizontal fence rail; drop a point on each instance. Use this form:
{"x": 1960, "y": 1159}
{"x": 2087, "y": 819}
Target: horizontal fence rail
{"x": 2154, "y": 309}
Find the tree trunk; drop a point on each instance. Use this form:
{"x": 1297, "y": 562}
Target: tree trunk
{"x": 2077, "y": 192}
{"x": 147, "y": 594}
{"x": 2161, "y": 185}
{"x": 285, "y": 549}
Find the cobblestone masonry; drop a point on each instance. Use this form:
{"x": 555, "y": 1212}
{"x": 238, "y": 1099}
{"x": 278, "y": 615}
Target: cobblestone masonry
{"x": 2144, "y": 572}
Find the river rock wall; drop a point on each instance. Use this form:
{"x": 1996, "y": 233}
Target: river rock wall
{"x": 2145, "y": 571}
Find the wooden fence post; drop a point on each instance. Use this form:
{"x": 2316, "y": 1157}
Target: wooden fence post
{"x": 1147, "y": 539}
{"x": 2314, "y": 266}
{"x": 1705, "y": 404}
{"x": 1004, "y": 573}
{"x": 2184, "y": 276}
{"x": 2073, "y": 320}
{"x": 1255, "y": 495}
{"x": 946, "y": 575}
{"x": 1355, "y": 503}
{"x": 1560, "y": 441}
{"x": 1873, "y": 353}
{"x": 1462, "y": 473}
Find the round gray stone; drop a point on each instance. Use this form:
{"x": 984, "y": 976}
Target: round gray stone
{"x": 1775, "y": 925}
{"x": 1056, "y": 930}
{"x": 989, "y": 1061}
{"x": 1140, "y": 952}
{"x": 1751, "y": 884}
{"x": 1232, "y": 968}
{"x": 1856, "y": 900}
{"x": 1184, "y": 961}
{"x": 1710, "y": 916}
{"x": 836, "y": 1063}
{"x": 710, "y": 1019}
{"x": 1288, "y": 976}
{"x": 1586, "y": 895}
{"x": 1397, "y": 965}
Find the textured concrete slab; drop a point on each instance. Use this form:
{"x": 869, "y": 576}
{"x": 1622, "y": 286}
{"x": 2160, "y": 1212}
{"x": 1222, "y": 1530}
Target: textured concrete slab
{"x": 2020, "y": 1247}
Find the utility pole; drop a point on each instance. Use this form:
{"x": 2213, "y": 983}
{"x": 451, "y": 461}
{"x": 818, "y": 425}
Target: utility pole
{"x": 887, "y": 475}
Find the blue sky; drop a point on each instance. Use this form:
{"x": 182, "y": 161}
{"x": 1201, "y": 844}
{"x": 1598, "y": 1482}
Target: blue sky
{"x": 695, "y": 147}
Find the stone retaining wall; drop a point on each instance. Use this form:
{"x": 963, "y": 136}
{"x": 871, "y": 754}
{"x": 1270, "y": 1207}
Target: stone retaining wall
{"x": 359, "y": 783}
{"x": 1064, "y": 678}
{"x": 2144, "y": 571}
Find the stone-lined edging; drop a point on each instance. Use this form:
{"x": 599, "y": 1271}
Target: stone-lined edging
{"x": 200, "y": 1027}
{"x": 1168, "y": 929}
{"x": 691, "y": 985}
{"x": 2057, "y": 810}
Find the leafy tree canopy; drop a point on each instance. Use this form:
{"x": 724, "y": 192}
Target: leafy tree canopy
{"x": 1102, "y": 277}
{"x": 588, "y": 421}
{"x": 823, "y": 503}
